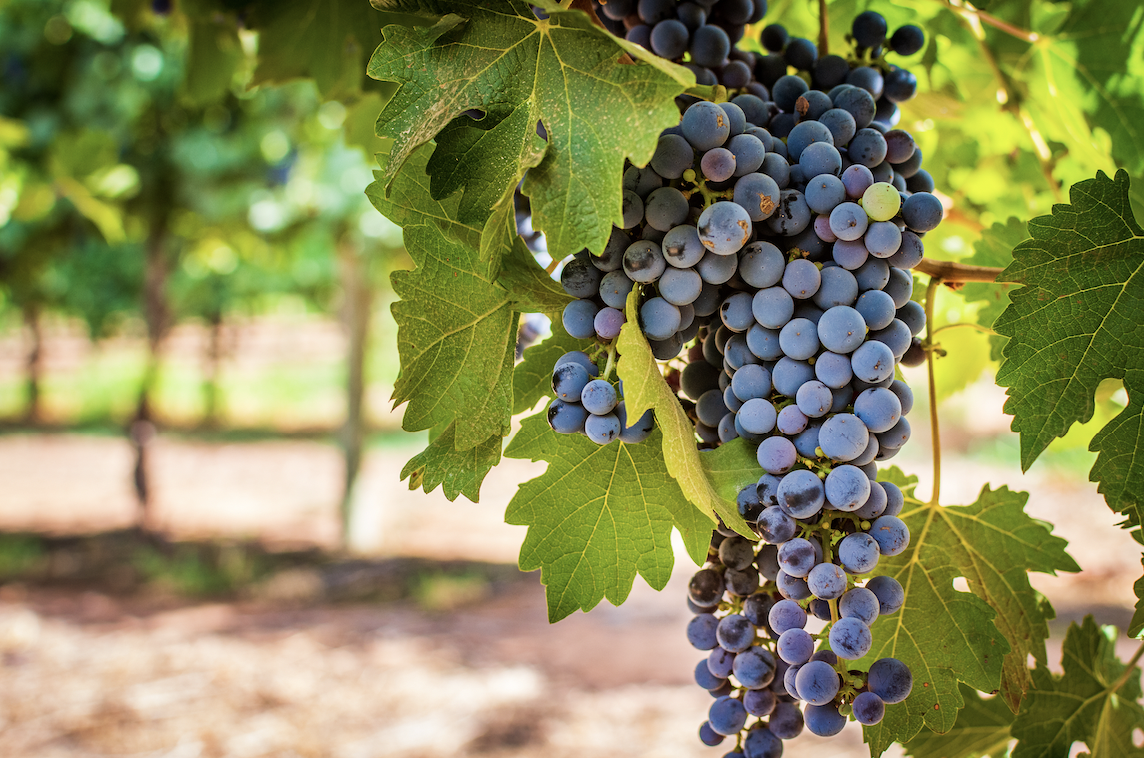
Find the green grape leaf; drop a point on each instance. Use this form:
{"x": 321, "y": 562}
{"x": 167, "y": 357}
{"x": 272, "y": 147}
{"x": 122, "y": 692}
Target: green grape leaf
{"x": 981, "y": 637}
{"x": 319, "y": 39}
{"x": 530, "y": 287}
{"x": 1075, "y": 320}
{"x": 460, "y": 471}
{"x": 1119, "y": 467}
{"x": 214, "y": 53}
{"x": 564, "y": 72}
{"x": 645, "y": 387}
{"x": 995, "y": 248}
{"x": 981, "y": 729}
{"x": 456, "y": 325}
{"x": 1094, "y": 701}
{"x": 1136, "y": 625}
{"x": 532, "y": 377}
{"x": 598, "y": 516}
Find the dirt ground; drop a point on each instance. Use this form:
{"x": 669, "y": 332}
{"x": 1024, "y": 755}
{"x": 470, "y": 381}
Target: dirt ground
{"x": 88, "y": 674}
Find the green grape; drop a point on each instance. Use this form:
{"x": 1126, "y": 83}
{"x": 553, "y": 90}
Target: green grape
{"x": 881, "y": 201}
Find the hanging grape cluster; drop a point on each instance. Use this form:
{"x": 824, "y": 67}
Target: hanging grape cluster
{"x": 770, "y": 241}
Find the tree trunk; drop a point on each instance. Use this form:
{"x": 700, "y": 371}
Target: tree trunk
{"x": 33, "y": 365}
{"x": 212, "y": 371}
{"x": 356, "y": 309}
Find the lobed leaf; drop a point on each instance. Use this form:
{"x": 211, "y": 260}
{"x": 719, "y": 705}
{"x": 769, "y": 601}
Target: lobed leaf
{"x": 1078, "y": 318}
{"x": 1090, "y": 702}
{"x": 498, "y": 57}
{"x": 981, "y": 729}
{"x": 598, "y": 516}
{"x": 982, "y": 637}
{"x": 459, "y": 471}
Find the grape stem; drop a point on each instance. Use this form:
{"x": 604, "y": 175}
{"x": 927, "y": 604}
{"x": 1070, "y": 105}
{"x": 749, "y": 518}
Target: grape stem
{"x": 1127, "y": 670}
{"x": 958, "y": 273}
{"x": 611, "y": 361}
{"x": 935, "y": 435}
{"x": 993, "y": 21}
{"x": 978, "y": 327}
{"x": 823, "y": 29}
{"x": 552, "y": 266}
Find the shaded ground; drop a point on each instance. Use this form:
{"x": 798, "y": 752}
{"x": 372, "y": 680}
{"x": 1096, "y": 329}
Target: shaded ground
{"x": 461, "y": 662}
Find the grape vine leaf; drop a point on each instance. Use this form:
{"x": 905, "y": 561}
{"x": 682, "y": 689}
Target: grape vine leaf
{"x": 1076, "y": 319}
{"x": 1094, "y": 701}
{"x": 982, "y": 728}
{"x": 995, "y": 248}
{"x": 645, "y": 387}
{"x": 563, "y": 71}
{"x": 599, "y": 515}
{"x": 323, "y": 40}
{"x": 1119, "y": 467}
{"x": 456, "y": 325}
{"x": 1136, "y": 625}
{"x": 532, "y": 377}
{"x": 981, "y": 637}
{"x": 530, "y": 287}
{"x": 459, "y": 471}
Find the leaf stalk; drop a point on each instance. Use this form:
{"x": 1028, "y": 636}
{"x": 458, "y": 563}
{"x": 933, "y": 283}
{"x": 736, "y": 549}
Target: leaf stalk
{"x": 935, "y": 434}
{"x": 958, "y": 273}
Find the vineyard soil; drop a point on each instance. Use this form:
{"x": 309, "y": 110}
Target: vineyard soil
{"x": 172, "y": 677}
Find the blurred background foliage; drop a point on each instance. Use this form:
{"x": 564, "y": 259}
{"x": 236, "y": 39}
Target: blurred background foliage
{"x": 181, "y": 186}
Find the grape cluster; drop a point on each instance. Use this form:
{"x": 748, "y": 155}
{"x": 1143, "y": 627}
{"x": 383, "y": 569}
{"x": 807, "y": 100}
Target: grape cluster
{"x": 772, "y": 236}
{"x": 701, "y": 34}
{"x": 751, "y": 604}
{"x": 867, "y": 67}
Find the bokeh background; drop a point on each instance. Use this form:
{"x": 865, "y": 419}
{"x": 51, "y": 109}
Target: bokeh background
{"x": 205, "y": 546}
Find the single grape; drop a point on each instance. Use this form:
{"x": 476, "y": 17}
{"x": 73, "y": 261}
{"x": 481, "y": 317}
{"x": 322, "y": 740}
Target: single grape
{"x": 824, "y": 720}
{"x": 833, "y": 370}
{"x": 843, "y": 437}
{"x": 901, "y": 85}
{"x": 659, "y": 319}
{"x": 868, "y": 148}
{"x": 773, "y": 307}
{"x": 826, "y": 581}
{"x": 701, "y": 632}
{"x": 566, "y": 418}
{"x": 751, "y": 382}
{"x": 797, "y": 556}
{"x": 644, "y": 262}
{"x": 748, "y": 152}
{"x": 602, "y": 429}
{"x": 792, "y": 216}
{"x": 569, "y": 380}
{"x": 799, "y": 339}
{"x": 848, "y": 221}
{"x": 665, "y": 209}
{"x": 598, "y": 397}
{"x": 891, "y": 534}
{"x": 754, "y": 668}
{"x": 710, "y": 408}
{"x": 681, "y": 247}
{"x": 850, "y": 639}
{"x": 876, "y": 307}
{"x": 897, "y": 435}
{"x": 775, "y": 525}
{"x": 759, "y": 703}
{"x": 891, "y": 680}
{"x": 704, "y": 124}
{"x": 718, "y": 164}
{"x": 847, "y": 488}
{"x": 757, "y": 416}
{"x": 640, "y": 430}
{"x": 801, "y": 53}
{"x": 891, "y": 596}
{"x": 858, "y": 554}
{"x": 761, "y": 265}
{"x": 842, "y": 126}
{"x": 614, "y": 289}
{"x": 736, "y": 312}
{"x": 895, "y": 500}
{"x": 787, "y": 90}
{"x": 801, "y": 495}
{"x": 727, "y": 715}
{"x": 786, "y": 614}
{"x": 680, "y": 286}
{"x": 801, "y": 279}
{"x": 838, "y": 287}
{"x": 868, "y": 708}
{"x": 761, "y": 742}
{"x": 669, "y": 39}
{"x": 724, "y": 227}
{"x": 868, "y": 78}
{"x": 805, "y": 134}
{"x": 922, "y": 212}
{"x": 817, "y": 683}
{"x": 879, "y": 408}
{"x": 764, "y": 343}
{"x": 705, "y": 679}
{"x": 840, "y": 330}
{"x": 791, "y": 420}
{"x": 869, "y": 29}
{"x": 858, "y": 103}
{"x": 795, "y": 646}
{"x": 873, "y": 362}
{"x": 706, "y": 588}
{"x": 821, "y": 159}
{"x": 776, "y": 167}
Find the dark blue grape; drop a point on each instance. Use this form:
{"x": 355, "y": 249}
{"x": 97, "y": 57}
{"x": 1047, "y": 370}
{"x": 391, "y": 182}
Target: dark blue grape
{"x": 566, "y": 418}
{"x": 824, "y": 720}
{"x": 850, "y": 639}
{"x": 901, "y": 85}
{"x": 709, "y": 46}
{"x": 868, "y": 708}
{"x": 869, "y": 29}
{"x": 754, "y": 668}
{"x": 775, "y": 525}
{"x": 891, "y": 680}
{"x": 817, "y": 683}
{"x": 800, "y": 53}
{"x": 727, "y": 716}
{"x": 669, "y": 39}
{"x": 891, "y": 596}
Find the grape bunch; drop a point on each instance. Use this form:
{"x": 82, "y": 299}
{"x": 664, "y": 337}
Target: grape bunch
{"x": 700, "y": 34}
{"x": 769, "y": 242}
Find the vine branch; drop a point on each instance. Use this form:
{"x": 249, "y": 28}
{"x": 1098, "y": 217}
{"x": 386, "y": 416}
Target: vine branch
{"x": 823, "y": 29}
{"x": 1128, "y": 669}
{"x": 935, "y": 435}
{"x": 957, "y": 273}
{"x": 991, "y": 20}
